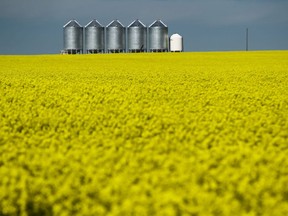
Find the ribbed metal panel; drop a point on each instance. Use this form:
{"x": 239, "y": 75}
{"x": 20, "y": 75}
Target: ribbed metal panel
{"x": 137, "y": 37}
{"x": 94, "y": 37}
{"x": 158, "y": 37}
{"x": 115, "y": 37}
{"x": 73, "y": 37}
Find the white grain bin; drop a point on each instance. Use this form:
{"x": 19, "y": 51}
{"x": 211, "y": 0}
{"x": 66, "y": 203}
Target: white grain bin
{"x": 176, "y": 43}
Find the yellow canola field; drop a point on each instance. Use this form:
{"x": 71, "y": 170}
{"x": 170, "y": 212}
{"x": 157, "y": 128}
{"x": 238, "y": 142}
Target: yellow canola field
{"x": 144, "y": 134}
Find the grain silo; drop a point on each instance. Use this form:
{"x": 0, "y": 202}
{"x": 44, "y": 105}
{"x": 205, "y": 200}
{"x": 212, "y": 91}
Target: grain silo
{"x": 94, "y": 37}
{"x": 137, "y": 37}
{"x": 73, "y": 37}
{"x": 115, "y": 37}
{"x": 158, "y": 37}
{"x": 176, "y": 43}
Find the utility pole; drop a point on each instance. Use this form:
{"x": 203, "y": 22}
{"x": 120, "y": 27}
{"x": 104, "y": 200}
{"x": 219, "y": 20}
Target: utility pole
{"x": 246, "y": 39}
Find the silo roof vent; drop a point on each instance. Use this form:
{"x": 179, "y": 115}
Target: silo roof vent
{"x": 72, "y": 23}
{"x": 94, "y": 23}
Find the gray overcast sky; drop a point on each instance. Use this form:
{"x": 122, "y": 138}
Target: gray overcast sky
{"x": 35, "y": 26}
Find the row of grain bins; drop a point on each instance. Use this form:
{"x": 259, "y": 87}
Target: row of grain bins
{"x": 115, "y": 40}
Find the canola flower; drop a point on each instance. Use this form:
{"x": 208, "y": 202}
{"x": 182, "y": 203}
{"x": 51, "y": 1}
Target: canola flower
{"x": 144, "y": 134}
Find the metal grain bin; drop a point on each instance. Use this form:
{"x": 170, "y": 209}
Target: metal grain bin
{"x": 137, "y": 37}
{"x": 94, "y": 37}
{"x": 158, "y": 37}
{"x": 73, "y": 37}
{"x": 115, "y": 37}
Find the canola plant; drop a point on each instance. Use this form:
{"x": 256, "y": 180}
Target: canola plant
{"x": 144, "y": 134}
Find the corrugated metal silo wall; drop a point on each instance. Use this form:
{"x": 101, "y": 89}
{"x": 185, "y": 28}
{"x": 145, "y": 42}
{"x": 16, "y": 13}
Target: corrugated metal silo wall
{"x": 137, "y": 39}
{"x": 158, "y": 39}
{"x": 94, "y": 39}
{"x": 73, "y": 38}
{"x": 116, "y": 39}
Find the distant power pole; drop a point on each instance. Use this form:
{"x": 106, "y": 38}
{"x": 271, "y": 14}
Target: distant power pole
{"x": 246, "y": 39}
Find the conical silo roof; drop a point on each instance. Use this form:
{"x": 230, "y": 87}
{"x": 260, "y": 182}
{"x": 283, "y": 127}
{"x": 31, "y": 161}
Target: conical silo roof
{"x": 72, "y": 23}
{"x": 115, "y": 23}
{"x": 137, "y": 23}
{"x": 94, "y": 23}
{"x": 158, "y": 23}
{"x": 176, "y": 35}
